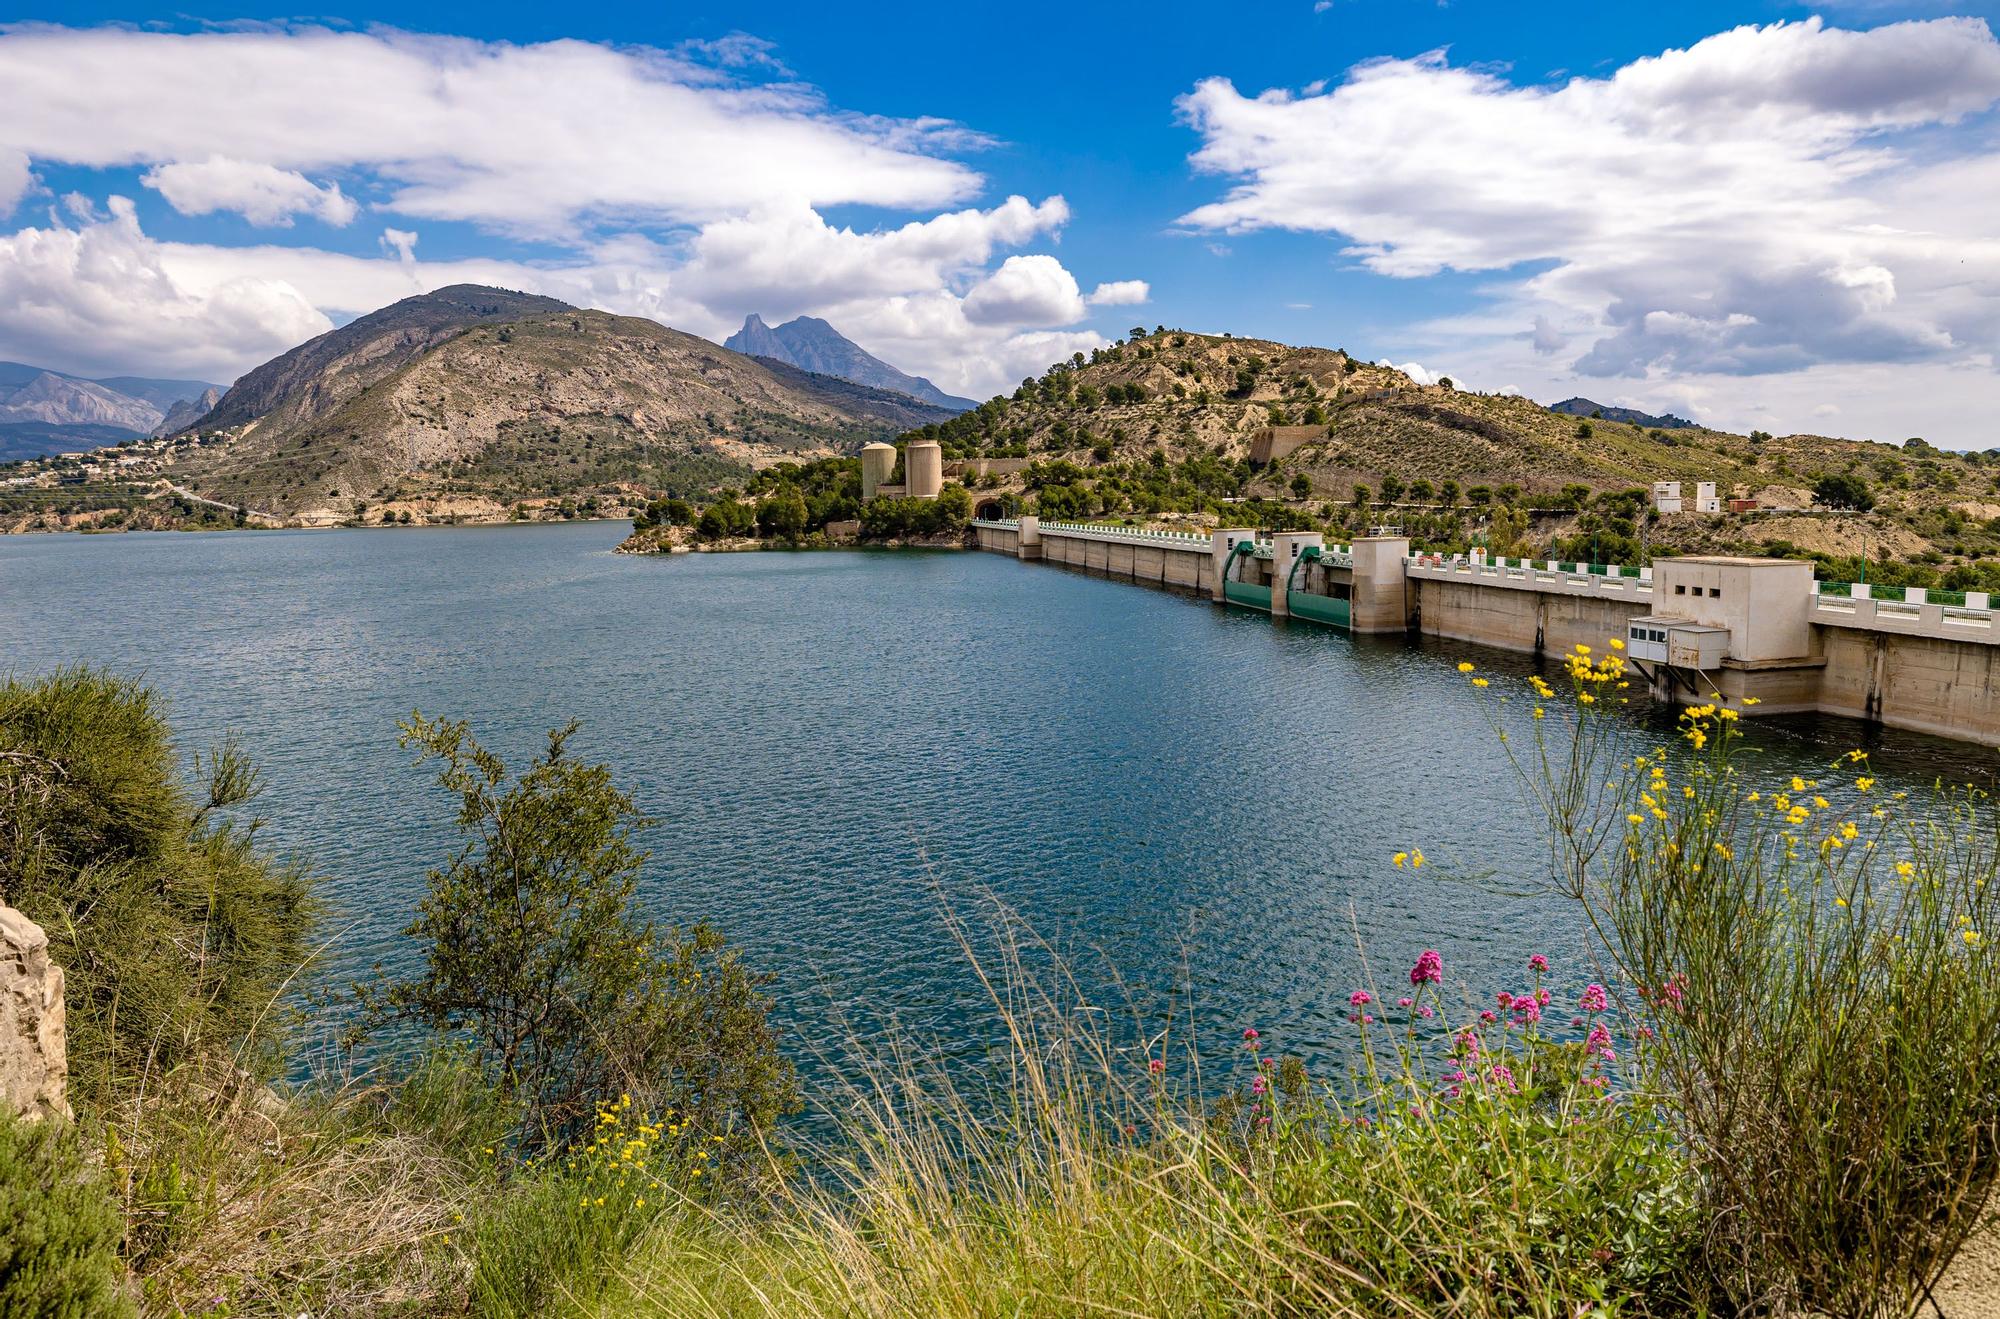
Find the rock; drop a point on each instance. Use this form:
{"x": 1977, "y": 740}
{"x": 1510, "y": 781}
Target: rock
{"x": 34, "y": 1066}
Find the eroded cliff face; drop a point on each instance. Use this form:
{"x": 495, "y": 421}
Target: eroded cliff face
{"x": 34, "y": 1067}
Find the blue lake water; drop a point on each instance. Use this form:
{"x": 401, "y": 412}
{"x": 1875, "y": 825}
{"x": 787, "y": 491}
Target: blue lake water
{"x": 838, "y": 747}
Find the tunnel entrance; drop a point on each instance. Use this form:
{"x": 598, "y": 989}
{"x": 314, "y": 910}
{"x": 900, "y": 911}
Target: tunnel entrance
{"x": 988, "y": 510}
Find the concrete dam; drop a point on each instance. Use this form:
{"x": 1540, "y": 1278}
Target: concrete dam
{"x": 1758, "y": 635}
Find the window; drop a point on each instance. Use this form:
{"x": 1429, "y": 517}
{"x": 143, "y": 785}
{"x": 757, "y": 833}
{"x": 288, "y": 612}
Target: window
{"x": 1715, "y": 592}
{"x": 1680, "y": 588}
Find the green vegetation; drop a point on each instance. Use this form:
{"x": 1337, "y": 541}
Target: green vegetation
{"x": 175, "y": 932}
{"x": 1778, "y": 1100}
{"x": 1843, "y": 490}
{"x": 535, "y": 956}
{"x": 58, "y": 1227}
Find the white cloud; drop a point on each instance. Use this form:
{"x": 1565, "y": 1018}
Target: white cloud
{"x": 1767, "y": 200}
{"x": 1120, "y": 293}
{"x": 101, "y": 298}
{"x": 538, "y": 139}
{"x": 1414, "y": 370}
{"x": 214, "y": 311}
{"x": 262, "y": 194}
{"x": 666, "y": 183}
{"x": 399, "y": 243}
{"x": 1026, "y": 290}
{"x": 14, "y": 180}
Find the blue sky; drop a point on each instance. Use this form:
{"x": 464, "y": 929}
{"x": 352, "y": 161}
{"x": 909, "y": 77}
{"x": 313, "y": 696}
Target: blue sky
{"x": 1763, "y": 214}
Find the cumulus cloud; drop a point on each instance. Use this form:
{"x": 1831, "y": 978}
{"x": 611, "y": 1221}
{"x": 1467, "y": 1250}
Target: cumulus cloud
{"x": 691, "y": 185}
{"x": 1766, "y": 200}
{"x": 262, "y": 194}
{"x": 1120, "y": 293}
{"x": 1026, "y": 290}
{"x": 14, "y": 180}
{"x": 1414, "y": 370}
{"x": 101, "y": 297}
{"x": 524, "y": 138}
{"x": 208, "y": 310}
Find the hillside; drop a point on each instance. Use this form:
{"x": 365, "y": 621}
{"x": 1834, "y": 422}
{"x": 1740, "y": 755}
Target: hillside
{"x": 1306, "y": 426}
{"x": 297, "y": 388}
{"x": 424, "y": 404}
{"x": 813, "y": 345}
{"x": 43, "y": 411}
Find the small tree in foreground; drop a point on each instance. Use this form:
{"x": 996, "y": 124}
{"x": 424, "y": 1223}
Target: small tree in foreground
{"x": 534, "y": 950}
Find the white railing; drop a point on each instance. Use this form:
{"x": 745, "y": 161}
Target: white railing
{"x": 1907, "y": 609}
{"x": 1534, "y": 575}
{"x": 1171, "y": 540}
{"x": 997, "y": 524}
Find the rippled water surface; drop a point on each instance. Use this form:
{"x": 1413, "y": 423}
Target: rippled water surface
{"x": 838, "y": 746}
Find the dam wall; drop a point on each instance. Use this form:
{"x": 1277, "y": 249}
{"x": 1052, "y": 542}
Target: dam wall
{"x": 1537, "y": 622}
{"x": 1758, "y": 635}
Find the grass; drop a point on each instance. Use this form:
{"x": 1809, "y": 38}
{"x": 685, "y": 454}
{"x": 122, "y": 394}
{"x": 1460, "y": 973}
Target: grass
{"x": 1779, "y": 1100}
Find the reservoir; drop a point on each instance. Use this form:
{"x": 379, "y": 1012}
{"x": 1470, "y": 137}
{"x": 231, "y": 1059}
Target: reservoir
{"x": 837, "y": 749}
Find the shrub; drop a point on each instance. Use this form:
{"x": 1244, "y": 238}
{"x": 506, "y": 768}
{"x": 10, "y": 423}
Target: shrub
{"x": 1814, "y": 965}
{"x": 176, "y": 934}
{"x": 536, "y": 957}
{"x": 1843, "y": 490}
{"x": 58, "y": 1229}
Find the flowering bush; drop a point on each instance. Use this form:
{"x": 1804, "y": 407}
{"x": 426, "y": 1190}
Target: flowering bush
{"x": 1488, "y": 1155}
{"x": 1808, "y": 959}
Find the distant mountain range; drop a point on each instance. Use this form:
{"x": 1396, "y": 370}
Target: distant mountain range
{"x": 491, "y": 394}
{"x": 813, "y": 345}
{"x": 43, "y": 411}
{"x": 1583, "y": 407}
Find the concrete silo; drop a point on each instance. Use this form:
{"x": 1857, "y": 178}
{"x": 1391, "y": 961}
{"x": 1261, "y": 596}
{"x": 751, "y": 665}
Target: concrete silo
{"x": 878, "y": 461}
{"x": 923, "y": 469}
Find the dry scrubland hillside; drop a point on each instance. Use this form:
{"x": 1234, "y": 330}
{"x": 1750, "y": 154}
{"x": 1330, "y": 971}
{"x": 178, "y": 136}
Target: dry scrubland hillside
{"x": 507, "y": 406}
{"x": 1186, "y": 394}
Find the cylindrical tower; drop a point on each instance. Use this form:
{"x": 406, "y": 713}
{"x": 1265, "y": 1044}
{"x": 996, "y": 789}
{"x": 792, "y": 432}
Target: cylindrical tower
{"x": 878, "y": 461}
{"x": 923, "y": 469}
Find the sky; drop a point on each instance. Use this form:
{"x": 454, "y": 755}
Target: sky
{"x": 1761, "y": 215}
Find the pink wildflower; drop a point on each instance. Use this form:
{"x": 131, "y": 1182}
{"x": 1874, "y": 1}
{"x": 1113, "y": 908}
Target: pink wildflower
{"x": 1598, "y": 1037}
{"x": 1503, "y": 1077}
{"x": 1489, "y": 1016}
{"x": 1594, "y": 999}
{"x": 1156, "y": 1066}
{"x": 1504, "y": 999}
{"x": 1259, "y": 1085}
{"x": 1429, "y": 968}
{"x": 1404, "y": 1002}
{"x": 1538, "y": 963}
{"x": 1360, "y": 998}
{"x": 1250, "y": 1033}
{"x": 1426, "y": 1010}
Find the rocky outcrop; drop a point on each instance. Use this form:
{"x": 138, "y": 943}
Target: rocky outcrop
{"x": 34, "y": 1067}
{"x": 186, "y": 413}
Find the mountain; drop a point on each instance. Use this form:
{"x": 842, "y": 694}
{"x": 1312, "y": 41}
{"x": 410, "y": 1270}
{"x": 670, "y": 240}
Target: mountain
{"x": 481, "y": 394}
{"x": 60, "y": 401}
{"x": 44, "y": 411}
{"x": 813, "y": 345}
{"x": 38, "y": 439}
{"x": 187, "y": 413}
{"x": 1583, "y": 407}
{"x": 323, "y": 374}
